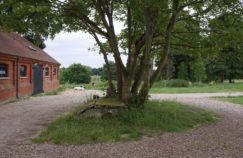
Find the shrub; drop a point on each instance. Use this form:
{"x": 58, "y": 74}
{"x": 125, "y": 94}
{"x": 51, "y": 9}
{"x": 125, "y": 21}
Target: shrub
{"x": 104, "y": 72}
{"x": 177, "y": 83}
{"x": 98, "y": 86}
{"x": 160, "y": 83}
{"x": 183, "y": 71}
{"x": 198, "y": 70}
{"x": 199, "y": 84}
{"x": 62, "y": 79}
{"x": 76, "y": 73}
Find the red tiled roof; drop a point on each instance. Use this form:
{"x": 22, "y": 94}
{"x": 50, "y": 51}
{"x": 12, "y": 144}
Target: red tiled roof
{"x": 14, "y": 44}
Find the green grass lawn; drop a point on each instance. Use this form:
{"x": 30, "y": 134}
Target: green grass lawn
{"x": 204, "y": 88}
{"x": 232, "y": 99}
{"x": 160, "y": 87}
{"x": 156, "y": 117}
{"x": 61, "y": 88}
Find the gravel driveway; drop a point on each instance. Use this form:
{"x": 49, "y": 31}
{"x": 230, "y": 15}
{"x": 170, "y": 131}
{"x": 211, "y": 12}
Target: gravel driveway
{"x": 20, "y": 121}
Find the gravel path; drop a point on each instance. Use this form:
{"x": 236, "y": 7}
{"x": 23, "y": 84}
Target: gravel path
{"x": 25, "y": 118}
{"x": 22, "y": 120}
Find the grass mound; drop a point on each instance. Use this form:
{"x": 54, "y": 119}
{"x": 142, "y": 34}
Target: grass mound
{"x": 156, "y": 117}
{"x": 109, "y": 102}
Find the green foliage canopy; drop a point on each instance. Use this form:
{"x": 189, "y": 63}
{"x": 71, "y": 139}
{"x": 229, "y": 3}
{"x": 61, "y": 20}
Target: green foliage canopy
{"x": 152, "y": 30}
{"x": 183, "y": 71}
{"x": 198, "y": 70}
{"x": 76, "y": 73}
{"x": 113, "y": 71}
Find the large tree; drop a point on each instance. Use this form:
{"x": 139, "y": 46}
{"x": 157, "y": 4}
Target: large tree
{"x": 76, "y": 73}
{"x": 146, "y": 40}
{"x": 37, "y": 40}
{"x": 226, "y": 40}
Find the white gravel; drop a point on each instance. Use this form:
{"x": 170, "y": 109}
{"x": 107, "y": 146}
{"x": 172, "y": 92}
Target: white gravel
{"x": 20, "y": 121}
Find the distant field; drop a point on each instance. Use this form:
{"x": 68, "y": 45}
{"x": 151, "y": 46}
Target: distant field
{"x": 160, "y": 88}
{"x": 205, "y": 88}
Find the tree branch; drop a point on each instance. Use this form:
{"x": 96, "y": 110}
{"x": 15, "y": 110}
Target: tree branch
{"x": 166, "y": 49}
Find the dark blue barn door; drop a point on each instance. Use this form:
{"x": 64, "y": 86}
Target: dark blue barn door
{"x": 38, "y": 79}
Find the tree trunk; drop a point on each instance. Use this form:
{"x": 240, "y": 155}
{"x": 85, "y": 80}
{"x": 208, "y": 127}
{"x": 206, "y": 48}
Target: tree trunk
{"x": 231, "y": 78}
{"x": 167, "y": 40}
{"x": 125, "y": 75}
{"x": 126, "y": 93}
{"x": 111, "y": 90}
{"x": 150, "y": 24}
{"x": 222, "y": 77}
{"x": 138, "y": 77}
{"x": 169, "y": 68}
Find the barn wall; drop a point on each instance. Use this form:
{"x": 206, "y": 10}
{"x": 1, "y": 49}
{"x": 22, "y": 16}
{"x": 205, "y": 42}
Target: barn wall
{"x": 25, "y": 84}
{"x": 7, "y": 85}
{"x": 50, "y": 82}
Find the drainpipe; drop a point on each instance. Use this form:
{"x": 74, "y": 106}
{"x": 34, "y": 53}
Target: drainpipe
{"x": 17, "y": 78}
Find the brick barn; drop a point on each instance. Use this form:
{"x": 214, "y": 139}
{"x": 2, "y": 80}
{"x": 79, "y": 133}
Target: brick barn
{"x": 24, "y": 68}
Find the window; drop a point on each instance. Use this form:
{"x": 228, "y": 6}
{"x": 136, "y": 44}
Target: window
{"x": 54, "y": 72}
{"x": 23, "y": 71}
{"x": 3, "y": 70}
{"x": 47, "y": 71}
{"x": 32, "y": 48}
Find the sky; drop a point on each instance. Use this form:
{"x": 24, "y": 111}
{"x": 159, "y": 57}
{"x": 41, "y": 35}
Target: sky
{"x": 69, "y": 48}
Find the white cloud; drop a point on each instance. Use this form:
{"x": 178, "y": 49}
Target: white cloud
{"x": 69, "y": 48}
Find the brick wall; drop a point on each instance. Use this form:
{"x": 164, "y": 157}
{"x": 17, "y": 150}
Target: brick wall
{"x": 26, "y": 85}
{"x": 50, "y": 82}
{"x": 7, "y": 85}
